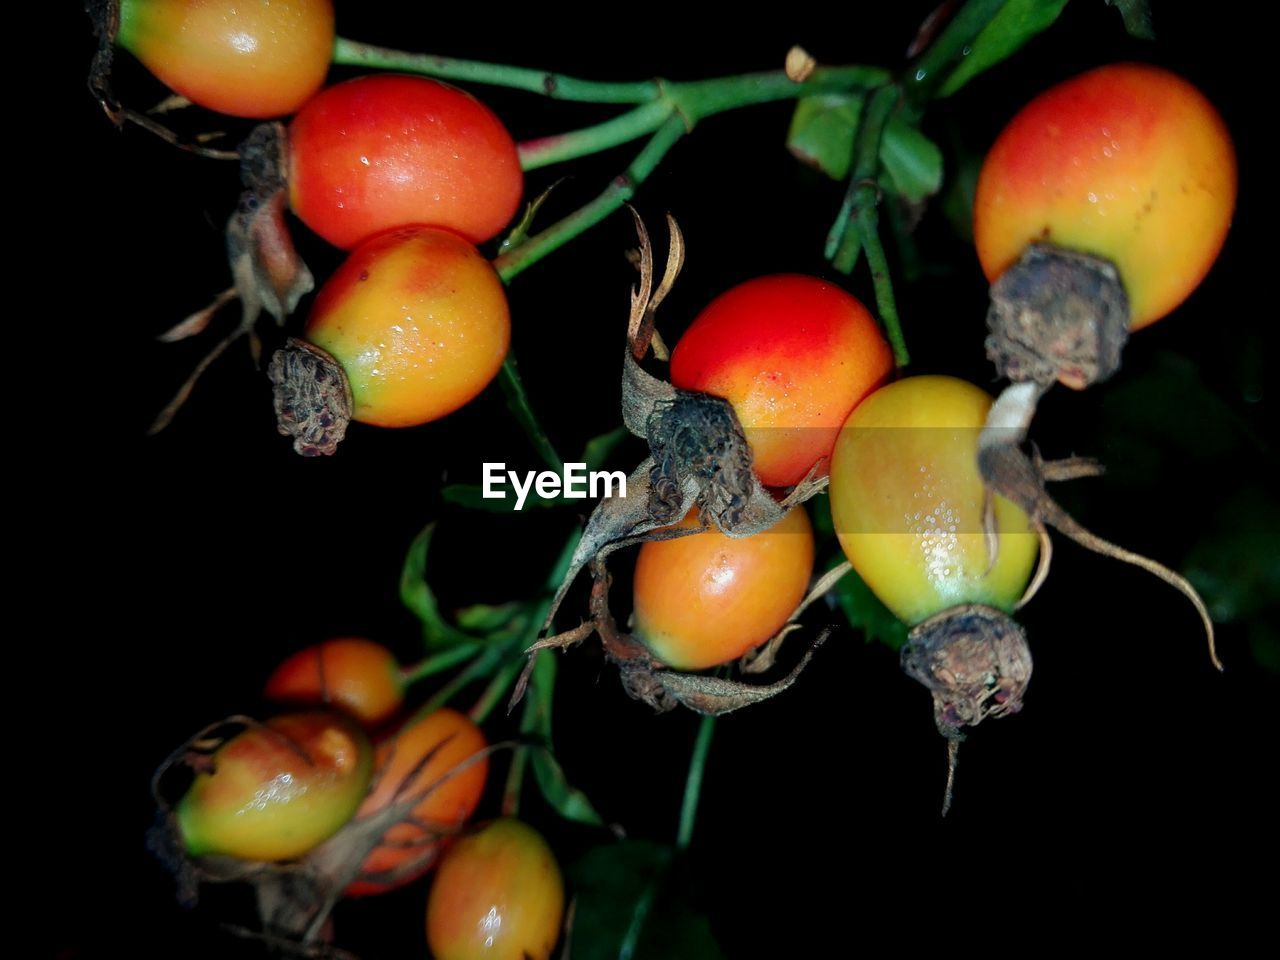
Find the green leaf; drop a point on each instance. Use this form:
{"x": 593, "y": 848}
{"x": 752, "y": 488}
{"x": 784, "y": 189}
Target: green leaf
{"x": 1233, "y": 565}
{"x": 822, "y": 131}
{"x": 861, "y": 607}
{"x": 518, "y": 404}
{"x": 486, "y": 618}
{"x": 1264, "y": 641}
{"x": 566, "y": 799}
{"x": 520, "y": 232}
{"x": 598, "y": 449}
{"x": 472, "y": 497}
{"x": 1136, "y": 15}
{"x": 957, "y": 201}
{"x": 629, "y": 905}
{"x": 1016, "y": 23}
{"x": 416, "y": 594}
{"x": 865, "y": 612}
{"x": 1136, "y": 419}
{"x": 912, "y": 160}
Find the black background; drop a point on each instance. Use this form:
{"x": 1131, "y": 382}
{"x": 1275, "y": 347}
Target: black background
{"x": 184, "y": 566}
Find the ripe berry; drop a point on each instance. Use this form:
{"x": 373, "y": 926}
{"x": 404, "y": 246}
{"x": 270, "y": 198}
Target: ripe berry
{"x": 793, "y": 355}
{"x": 357, "y": 676}
{"x": 277, "y": 790}
{"x": 410, "y": 328}
{"x": 907, "y": 502}
{"x": 385, "y": 151}
{"x": 443, "y": 742}
{"x": 1127, "y": 162}
{"x": 247, "y": 58}
{"x": 707, "y": 599}
{"x": 497, "y": 895}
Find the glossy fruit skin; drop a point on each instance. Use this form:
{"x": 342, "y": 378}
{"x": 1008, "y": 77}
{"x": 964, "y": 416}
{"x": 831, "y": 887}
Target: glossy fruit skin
{"x": 250, "y": 58}
{"x": 1127, "y": 162}
{"x": 351, "y": 674}
{"x": 793, "y": 355}
{"x": 706, "y": 599}
{"x": 277, "y": 790}
{"x": 418, "y": 320}
{"x": 498, "y": 895}
{"x": 383, "y": 151}
{"x": 907, "y": 502}
{"x": 448, "y": 806}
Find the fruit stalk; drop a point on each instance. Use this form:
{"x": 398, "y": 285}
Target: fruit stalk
{"x": 621, "y": 189}
{"x": 859, "y": 211}
{"x": 349, "y": 53}
{"x": 693, "y": 783}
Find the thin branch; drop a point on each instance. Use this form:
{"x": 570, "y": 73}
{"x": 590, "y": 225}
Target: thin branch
{"x": 349, "y": 53}
{"x": 693, "y": 783}
{"x": 620, "y": 190}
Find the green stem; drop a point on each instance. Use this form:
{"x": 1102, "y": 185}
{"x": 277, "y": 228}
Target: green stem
{"x": 693, "y": 784}
{"x": 349, "y": 53}
{"x": 857, "y": 224}
{"x": 640, "y": 912}
{"x": 619, "y": 191}
{"x": 867, "y": 220}
{"x": 631, "y": 125}
{"x": 930, "y": 68}
{"x": 515, "y": 782}
{"x": 694, "y": 101}
{"x": 496, "y": 691}
{"x": 439, "y": 663}
{"x": 862, "y": 184}
{"x": 529, "y": 718}
{"x": 478, "y": 668}
{"x": 518, "y": 403}
{"x": 702, "y": 98}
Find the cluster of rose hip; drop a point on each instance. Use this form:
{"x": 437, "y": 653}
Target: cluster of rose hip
{"x": 1099, "y": 209}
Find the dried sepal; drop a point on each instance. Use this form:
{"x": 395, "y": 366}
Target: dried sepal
{"x": 198, "y": 322}
{"x": 1058, "y": 316}
{"x": 699, "y": 454}
{"x": 269, "y": 275}
{"x": 763, "y": 657}
{"x": 267, "y": 272}
{"x": 974, "y": 660}
{"x": 311, "y": 396}
{"x": 716, "y": 696}
{"x": 561, "y": 641}
{"x": 1007, "y": 470}
{"x": 643, "y": 676}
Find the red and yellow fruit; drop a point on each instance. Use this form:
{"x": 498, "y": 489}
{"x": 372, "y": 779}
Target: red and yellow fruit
{"x": 247, "y": 58}
{"x": 417, "y": 320}
{"x": 455, "y": 774}
{"x": 706, "y": 599}
{"x": 907, "y": 502}
{"x": 793, "y": 355}
{"x": 498, "y": 895}
{"x": 1127, "y": 162}
{"x": 357, "y": 676}
{"x": 277, "y": 790}
{"x": 383, "y": 151}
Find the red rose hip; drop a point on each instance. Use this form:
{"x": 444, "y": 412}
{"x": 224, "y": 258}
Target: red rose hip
{"x": 793, "y": 355}
{"x": 386, "y": 151}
